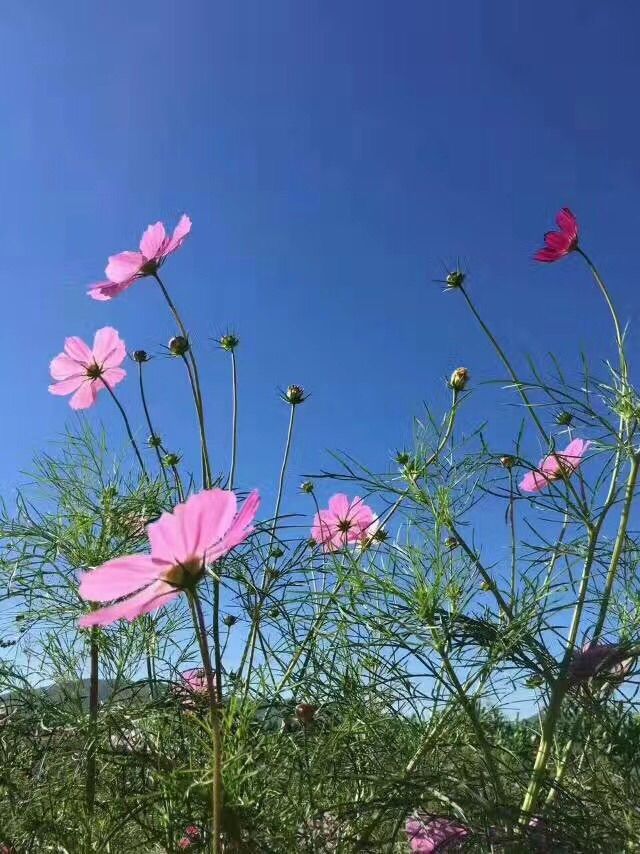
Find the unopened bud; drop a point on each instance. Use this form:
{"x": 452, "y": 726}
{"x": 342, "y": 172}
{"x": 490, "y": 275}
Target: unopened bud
{"x": 381, "y": 535}
{"x": 276, "y": 553}
{"x": 154, "y": 441}
{"x": 307, "y": 487}
{"x": 452, "y": 543}
{"x": 459, "y": 379}
{"x": 140, "y": 356}
{"x": 486, "y": 586}
{"x": 171, "y": 460}
{"x": 507, "y": 462}
{"x": 178, "y": 345}
{"x": 564, "y": 418}
{"x": 305, "y": 713}
{"x": 455, "y": 279}
{"x": 229, "y": 342}
{"x": 294, "y": 395}
{"x": 229, "y": 620}
{"x": 402, "y": 458}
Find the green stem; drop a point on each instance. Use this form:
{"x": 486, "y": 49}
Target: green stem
{"x": 215, "y": 700}
{"x": 194, "y": 380}
{"x": 128, "y": 428}
{"x": 90, "y": 789}
{"x": 234, "y": 419}
{"x": 152, "y": 432}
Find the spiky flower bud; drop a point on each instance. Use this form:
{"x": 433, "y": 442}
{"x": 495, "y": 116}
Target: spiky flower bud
{"x": 507, "y": 462}
{"x": 402, "y": 458}
{"x": 307, "y": 487}
{"x": 564, "y": 418}
{"x": 451, "y": 543}
{"x": 178, "y": 345}
{"x": 381, "y": 535}
{"x": 459, "y": 379}
{"x": 276, "y": 553}
{"x": 154, "y": 441}
{"x": 229, "y": 342}
{"x": 140, "y": 356}
{"x": 229, "y": 620}
{"x": 455, "y": 279}
{"x": 171, "y": 460}
{"x": 486, "y": 586}
{"x": 295, "y": 395}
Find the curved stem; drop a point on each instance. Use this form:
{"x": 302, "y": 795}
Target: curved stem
{"x": 152, "y": 432}
{"x": 283, "y": 469}
{"x": 194, "y": 379}
{"x": 128, "y": 427}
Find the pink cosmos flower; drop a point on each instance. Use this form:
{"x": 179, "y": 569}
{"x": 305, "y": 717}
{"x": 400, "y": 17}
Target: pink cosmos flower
{"x": 199, "y": 531}
{"x": 83, "y": 371}
{"x": 555, "y": 466}
{"x": 344, "y": 522}
{"x": 125, "y": 268}
{"x": 560, "y": 243}
{"x": 606, "y": 661}
{"x": 428, "y": 835}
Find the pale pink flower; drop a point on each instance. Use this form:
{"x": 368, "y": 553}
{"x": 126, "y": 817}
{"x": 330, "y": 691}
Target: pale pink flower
{"x": 125, "y": 268}
{"x": 344, "y": 522}
{"x": 198, "y": 532}
{"x": 562, "y": 242}
{"x": 428, "y": 835}
{"x": 83, "y": 371}
{"x": 195, "y": 681}
{"x": 556, "y": 466}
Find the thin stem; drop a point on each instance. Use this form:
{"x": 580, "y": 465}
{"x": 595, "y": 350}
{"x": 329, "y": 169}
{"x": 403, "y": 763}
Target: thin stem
{"x": 152, "y": 432}
{"x": 194, "y": 379}
{"x": 283, "y": 469}
{"x": 234, "y": 419}
{"x": 214, "y": 689}
{"x": 90, "y": 789}
{"x": 128, "y": 428}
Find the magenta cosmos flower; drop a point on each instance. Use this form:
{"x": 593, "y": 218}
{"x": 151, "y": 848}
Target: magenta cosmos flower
{"x": 83, "y": 371}
{"x": 125, "y": 268}
{"x": 196, "y": 533}
{"x": 344, "y": 522}
{"x": 606, "y": 661}
{"x": 556, "y": 466}
{"x": 560, "y": 243}
{"x": 428, "y": 835}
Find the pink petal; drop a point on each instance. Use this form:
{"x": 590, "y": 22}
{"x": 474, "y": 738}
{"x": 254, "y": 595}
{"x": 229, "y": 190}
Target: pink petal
{"x": 205, "y": 518}
{"x": 180, "y": 234}
{"x": 104, "y": 291}
{"x": 109, "y": 349}
{"x": 339, "y": 505}
{"x": 84, "y": 397}
{"x": 533, "y": 481}
{"x": 113, "y": 376}
{"x": 76, "y": 349}
{"x": 567, "y": 223}
{"x": 152, "y": 597}
{"x": 153, "y": 241}
{"x": 66, "y": 386}
{"x": 557, "y": 242}
{"x": 240, "y": 529}
{"x": 547, "y": 256}
{"x": 124, "y": 267}
{"x": 324, "y": 526}
{"x": 63, "y": 367}
{"x": 119, "y": 577}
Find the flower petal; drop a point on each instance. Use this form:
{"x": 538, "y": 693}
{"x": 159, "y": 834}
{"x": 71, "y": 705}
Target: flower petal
{"x": 239, "y": 530}
{"x": 77, "y": 349}
{"x": 113, "y": 376}
{"x": 180, "y": 234}
{"x": 205, "y": 518}
{"x": 104, "y": 291}
{"x": 152, "y": 597}
{"x": 109, "y": 349}
{"x": 339, "y": 504}
{"x": 67, "y": 386}
{"x": 63, "y": 367}
{"x": 119, "y": 577}
{"x": 85, "y": 396}
{"x": 153, "y": 241}
{"x": 124, "y": 267}
{"x": 567, "y": 223}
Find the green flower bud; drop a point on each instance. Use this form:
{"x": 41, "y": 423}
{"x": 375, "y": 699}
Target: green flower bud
{"x": 178, "y": 345}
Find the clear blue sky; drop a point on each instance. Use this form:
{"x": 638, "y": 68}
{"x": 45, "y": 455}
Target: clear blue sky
{"x": 331, "y": 156}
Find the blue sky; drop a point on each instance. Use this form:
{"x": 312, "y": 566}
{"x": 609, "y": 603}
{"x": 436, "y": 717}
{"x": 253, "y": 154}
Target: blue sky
{"x": 332, "y": 156}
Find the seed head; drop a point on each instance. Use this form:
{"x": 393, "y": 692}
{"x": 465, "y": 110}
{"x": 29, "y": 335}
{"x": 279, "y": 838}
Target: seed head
{"x": 295, "y": 395}
{"x": 178, "y": 345}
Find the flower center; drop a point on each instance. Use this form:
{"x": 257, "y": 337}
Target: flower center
{"x": 344, "y": 525}
{"x": 149, "y": 268}
{"x": 94, "y": 371}
{"x": 184, "y": 574}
